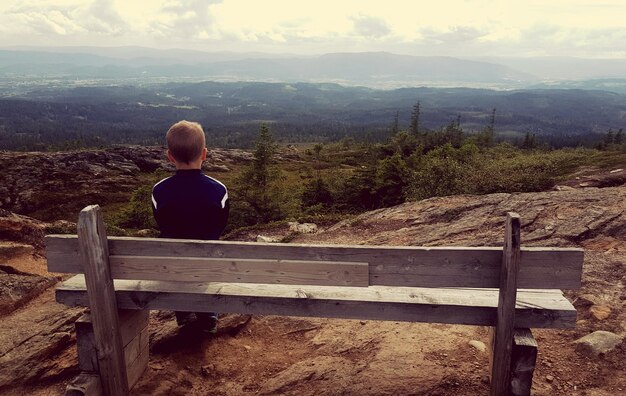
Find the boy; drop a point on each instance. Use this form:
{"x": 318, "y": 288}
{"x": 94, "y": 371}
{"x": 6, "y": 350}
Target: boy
{"x": 190, "y": 205}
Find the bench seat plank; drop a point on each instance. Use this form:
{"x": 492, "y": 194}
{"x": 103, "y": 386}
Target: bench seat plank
{"x": 534, "y": 308}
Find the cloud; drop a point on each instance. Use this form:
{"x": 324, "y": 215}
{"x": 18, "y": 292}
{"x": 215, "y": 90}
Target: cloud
{"x": 456, "y": 28}
{"x": 552, "y": 40}
{"x": 185, "y": 19}
{"x": 47, "y": 20}
{"x": 67, "y": 19}
{"x": 370, "y": 27}
{"x": 454, "y": 35}
{"x": 102, "y": 17}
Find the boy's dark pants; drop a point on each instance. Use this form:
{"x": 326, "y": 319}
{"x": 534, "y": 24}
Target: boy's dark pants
{"x": 204, "y": 319}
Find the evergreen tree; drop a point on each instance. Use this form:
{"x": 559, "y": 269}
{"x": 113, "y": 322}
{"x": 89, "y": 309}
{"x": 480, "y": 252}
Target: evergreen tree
{"x": 530, "y": 141}
{"x": 256, "y": 186}
{"x": 317, "y": 150}
{"x": 391, "y": 180}
{"x": 487, "y": 137}
{"x": 403, "y": 143}
{"x": 619, "y": 136}
{"x": 453, "y": 133}
{"x": 415, "y": 119}
{"x": 316, "y": 194}
{"x": 394, "y": 126}
{"x": 610, "y": 137}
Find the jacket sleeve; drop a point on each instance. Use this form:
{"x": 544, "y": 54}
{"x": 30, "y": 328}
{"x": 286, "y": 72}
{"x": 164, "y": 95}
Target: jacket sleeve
{"x": 155, "y": 211}
{"x": 222, "y": 217}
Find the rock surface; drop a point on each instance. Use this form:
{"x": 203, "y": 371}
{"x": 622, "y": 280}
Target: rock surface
{"x": 552, "y": 218}
{"x": 18, "y": 288}
{"x": 32, "y": 341}
{"x": 10, "y": 249}
{"x": 21, "y": 229}
{"x": 598, "y": 342}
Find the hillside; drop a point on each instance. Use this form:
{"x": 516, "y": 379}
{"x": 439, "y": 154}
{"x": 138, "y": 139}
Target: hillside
{"x": 302, "y": 356}
{"x": 59, "y": 115}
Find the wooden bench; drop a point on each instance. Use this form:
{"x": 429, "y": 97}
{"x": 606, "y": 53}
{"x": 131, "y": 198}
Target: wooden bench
{"x": 126, "y": 277}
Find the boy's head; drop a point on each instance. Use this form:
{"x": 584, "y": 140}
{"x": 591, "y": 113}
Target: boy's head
{"x": 186, "y": 143}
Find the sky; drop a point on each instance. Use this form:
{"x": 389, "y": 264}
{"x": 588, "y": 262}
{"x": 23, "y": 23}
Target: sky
{"x": 464, "y": 28}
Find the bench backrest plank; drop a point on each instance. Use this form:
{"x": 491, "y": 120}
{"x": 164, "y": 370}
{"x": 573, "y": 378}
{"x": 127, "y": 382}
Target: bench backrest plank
{"x": 540, "y": 268}
{"x": 199, "y": 269}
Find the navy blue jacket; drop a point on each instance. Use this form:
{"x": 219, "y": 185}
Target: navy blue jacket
{"x": 190, "y": 205}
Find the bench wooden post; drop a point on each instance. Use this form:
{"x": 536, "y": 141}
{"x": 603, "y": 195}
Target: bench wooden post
{"x": 94, "y": 252}
{"x": 505, "y": 323}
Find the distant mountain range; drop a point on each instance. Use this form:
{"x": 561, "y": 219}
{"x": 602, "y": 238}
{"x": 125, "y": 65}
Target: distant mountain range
{"x": 374, "y": 69}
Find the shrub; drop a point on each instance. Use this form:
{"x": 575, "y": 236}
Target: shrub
{"x": 137, "y": 214}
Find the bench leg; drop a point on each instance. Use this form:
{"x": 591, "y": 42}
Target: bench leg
{"x": 135, "y": 337}
{"x": 523, "y": 360}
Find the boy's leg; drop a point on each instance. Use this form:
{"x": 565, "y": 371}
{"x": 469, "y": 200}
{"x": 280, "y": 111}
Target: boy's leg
{"x": 183, "y": 318}
{"x": 207, "y": 321}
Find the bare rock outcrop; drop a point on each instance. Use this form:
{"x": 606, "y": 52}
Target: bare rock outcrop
{"x": 51, "y": 185}
{"x": 17, "y": 288}
{"x": 552, "y": 218}
{"x": 21, "y": 229}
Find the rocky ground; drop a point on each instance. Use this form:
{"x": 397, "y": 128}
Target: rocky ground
{"x": 301, "y": 356}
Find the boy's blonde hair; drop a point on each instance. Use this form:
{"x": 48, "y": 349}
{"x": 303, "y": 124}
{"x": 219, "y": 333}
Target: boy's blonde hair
{"x": 185, "y": 140}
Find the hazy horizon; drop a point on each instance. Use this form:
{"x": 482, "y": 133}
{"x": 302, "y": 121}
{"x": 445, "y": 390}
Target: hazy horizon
{"x": 457, "y": 28}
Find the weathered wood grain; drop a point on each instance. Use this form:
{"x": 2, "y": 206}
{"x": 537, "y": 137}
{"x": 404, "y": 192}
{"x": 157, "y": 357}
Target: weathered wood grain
{"x": 84, "y": 384}
{"x": 505, "y": 324}
{"x": 102, "y": 301}
{"x": 135, "y": 337}
{"x": 540, "y": 268}
{"x": 137, "y": 367}
{"x": 197, "y": 269}
{"x": 132, "y": 322}
{"x": 535, "y": 308}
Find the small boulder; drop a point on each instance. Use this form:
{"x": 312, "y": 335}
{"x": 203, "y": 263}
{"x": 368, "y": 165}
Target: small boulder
{"x": 597, "y": 343}
{"x": 600, "y": 312}
{"x": 478, "y": 345}
{"x": 146, "y": 233}
{"x": 216, "y": 168}
{"x": 303, "y": 228}
{"x": 266, "y": 239}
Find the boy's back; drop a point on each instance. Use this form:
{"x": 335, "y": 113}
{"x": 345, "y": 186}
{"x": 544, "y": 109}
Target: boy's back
{"x": 190, "y": 205}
